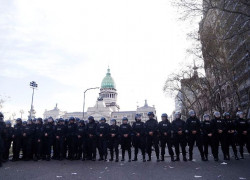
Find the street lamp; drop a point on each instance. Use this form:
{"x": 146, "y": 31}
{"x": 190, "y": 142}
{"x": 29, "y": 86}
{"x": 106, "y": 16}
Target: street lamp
{"x": 84, "y": 100}
{"x": 33, "y": 85}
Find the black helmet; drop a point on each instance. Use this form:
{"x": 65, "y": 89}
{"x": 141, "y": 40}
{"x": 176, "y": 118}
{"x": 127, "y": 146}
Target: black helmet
{"x": 19, "y": 120}
{"x": 191, "y": 113}
{"x": 226, "y": 114}
{"x": 77, "y": 119}
{"x": 151, "y": 114}
{"x": 113, "y": 120}
{"x": 91, "y": 118}
{"x": 60, "y": 120}
{"x": 103, "y": 119}
{"x": 164, "y": 115}
{"x": 39, "y": 119}
{"x": 24, "y": 123}
{"x": 81, "y": 122}
{"x": 124, "y": 119}
{"x": 50, "y": 119}
{"x": 137, "y": 116}
{"x": 8, "y": 123}
{"x": 72, "y": 119}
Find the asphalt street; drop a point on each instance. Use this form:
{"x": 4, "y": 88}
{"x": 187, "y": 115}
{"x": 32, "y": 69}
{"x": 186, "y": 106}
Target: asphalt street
{"x": 59, "y": 170}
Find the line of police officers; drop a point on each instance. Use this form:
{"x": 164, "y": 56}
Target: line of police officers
{"x": 75, "y": 139}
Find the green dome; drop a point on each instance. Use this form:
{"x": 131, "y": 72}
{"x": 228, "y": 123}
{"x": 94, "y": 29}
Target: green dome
{"x": 108, "y": 81}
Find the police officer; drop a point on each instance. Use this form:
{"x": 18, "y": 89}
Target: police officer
{"x": 230, "y": 135}
{"x": 242, "y": 127}
{"x": 72, "y": 138}
{"x": 102, "y": 132}
{"x": 165, "y": 136}
{"x": 81, "y": 140}
{"x": 8, "y": 131}
{"x": 207, "y": 135}
{"x": 248, "y": 136}
{"x": 139, "y": 139}
{"x": 219, "y": 135}
{"x": 27, "y": 134}
{"x": 114, "y": 140}
{"x": 91, "y": 138}
{"x": 60, "y": 133}
{"x": 151, "y": 127}
{"x": 17, "y": 139}
{"x": 194, "y": 134}
{"x": 48, "y": 137}
{"x": 125, "y": 131}
{"x": 179, "y": 127}
{"x": 2, "y": 126}
{"x": 38, "y": 139}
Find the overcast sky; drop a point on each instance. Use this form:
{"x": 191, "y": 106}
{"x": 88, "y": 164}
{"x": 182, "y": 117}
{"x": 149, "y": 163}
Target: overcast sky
{"x": 67, "y": 46}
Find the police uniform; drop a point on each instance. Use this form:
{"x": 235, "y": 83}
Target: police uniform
{"x": 139, "y": 139}
{"x": 102, "y": 131}
{"x": 125, "y": 129}
{"x": 165, "y": 138}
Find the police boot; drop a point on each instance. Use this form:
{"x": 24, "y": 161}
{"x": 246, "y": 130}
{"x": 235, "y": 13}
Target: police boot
{"x": 129, "y": 156}
{"x": 111, "y": 156}
{"x": 190, "y": 157}
{"x": 184, "y": 158}
{"x": 123, "y": 155}
{"x": 135, "y": 158}
{"x": 236, "y": 156}
{"x": 241, "y": 156}
{"x": 158, "y": 160}
{"x": 206, "y": 157}
{"x": 143, "y": 158}
{"x": 101, "y": 158}
{"x": 177, "y": 158}
{"x": 149, "y": 157}
{"x": 162, "y": 158}
{"x": 117, "y": 157}
{"x": 172, "y": 158}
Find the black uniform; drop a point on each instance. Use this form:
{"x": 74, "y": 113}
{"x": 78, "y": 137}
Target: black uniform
{"x": 81, "y": 142}
{"x": 72, "y": 140}
{"x": 125, "y": 141}
{"x": 241, "y": 126}
{"x": 207, "y": 128}
{"x": 38, "y": 136}
{"x": 60, "y": 133}
{"x": 91, "y": 140}
{"x": 151, "y": 125}
{"x": 102, "y": 131}
{"x": 2, "y": 126}
{"x": 8, "y": 132}
{"x": 231, "y": 137}
{"x": 27, "y": 135}
{"x": 219, "y": 138}
{"x": 48, "y": 138}
{"x": 165, "y": 137}
{"x": 139, "y": 139}
{"x": 193, "y": 124}
{"x": 179, "y": 139}
{"x": 114, "y": 141}
{"x": 17, "y": 141}
{"x": 248, "y": 136}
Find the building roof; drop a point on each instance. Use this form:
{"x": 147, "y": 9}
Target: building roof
{"x": 108, "y": 81}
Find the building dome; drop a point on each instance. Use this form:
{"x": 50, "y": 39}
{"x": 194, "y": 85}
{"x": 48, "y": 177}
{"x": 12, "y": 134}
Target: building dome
{"x": 108, "y": 81}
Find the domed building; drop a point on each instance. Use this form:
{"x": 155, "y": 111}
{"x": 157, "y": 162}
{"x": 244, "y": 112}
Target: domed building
{"x": 108, "y": 92}
{"x": 106, "y": 105}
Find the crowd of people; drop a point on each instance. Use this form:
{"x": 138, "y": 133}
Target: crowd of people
{"x": 75, "y": 139}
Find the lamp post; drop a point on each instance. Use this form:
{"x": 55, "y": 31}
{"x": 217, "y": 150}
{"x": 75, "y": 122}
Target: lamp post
{"x": 84, "y": 100}
{"x": 33, "y": 85}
